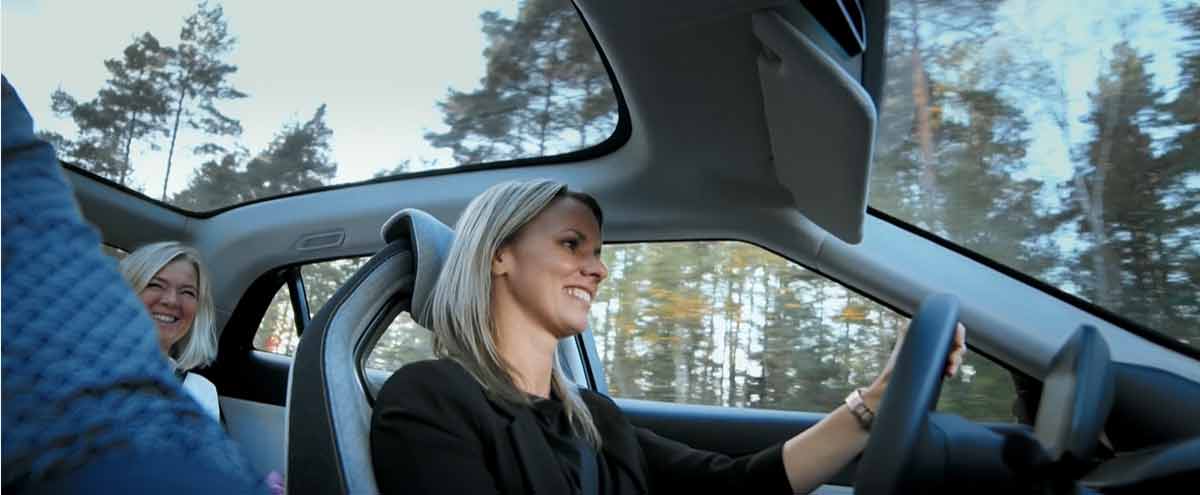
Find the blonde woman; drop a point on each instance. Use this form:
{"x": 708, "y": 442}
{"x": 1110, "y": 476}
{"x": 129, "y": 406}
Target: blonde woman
{"x": 496, "y": 415}
{"x": 173, "y": 284}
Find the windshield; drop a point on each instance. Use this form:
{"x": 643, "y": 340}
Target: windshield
{"x": 211, "y": 104}
{"x": 1058, "y": 138}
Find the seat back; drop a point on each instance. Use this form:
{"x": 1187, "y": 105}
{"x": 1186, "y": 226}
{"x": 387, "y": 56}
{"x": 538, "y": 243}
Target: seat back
{"x": 329, "y": 399}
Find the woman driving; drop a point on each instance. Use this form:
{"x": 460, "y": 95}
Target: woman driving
{"x": 496, "y": 415}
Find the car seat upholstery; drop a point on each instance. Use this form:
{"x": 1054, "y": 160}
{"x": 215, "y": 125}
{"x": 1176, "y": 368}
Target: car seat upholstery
{"x": 329, "y": 399}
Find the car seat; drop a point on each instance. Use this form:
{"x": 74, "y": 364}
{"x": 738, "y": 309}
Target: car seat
{"x": 329, "y": 396}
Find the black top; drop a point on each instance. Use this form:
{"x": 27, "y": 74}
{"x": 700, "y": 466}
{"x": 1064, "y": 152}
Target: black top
{"x": 435, "y": 430}
{"x": 576, "y": 457}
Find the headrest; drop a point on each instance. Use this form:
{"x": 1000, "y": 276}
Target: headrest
{"x": 430, "y": 240}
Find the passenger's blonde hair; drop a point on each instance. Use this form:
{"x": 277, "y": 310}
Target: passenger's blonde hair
{"x": 460, "y": 307}
{"x": 199, "y": 346}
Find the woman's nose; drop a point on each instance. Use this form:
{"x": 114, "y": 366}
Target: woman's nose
{"x": 596, "y": 268}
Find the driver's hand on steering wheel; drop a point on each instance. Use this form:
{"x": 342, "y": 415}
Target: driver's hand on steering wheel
{"x": 873, "y": 395}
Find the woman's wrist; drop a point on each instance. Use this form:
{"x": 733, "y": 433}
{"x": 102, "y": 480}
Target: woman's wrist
{"x": 873, "y": 395}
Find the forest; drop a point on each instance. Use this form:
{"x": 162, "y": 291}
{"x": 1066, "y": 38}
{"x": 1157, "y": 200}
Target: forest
{"x": 968, "y": 109}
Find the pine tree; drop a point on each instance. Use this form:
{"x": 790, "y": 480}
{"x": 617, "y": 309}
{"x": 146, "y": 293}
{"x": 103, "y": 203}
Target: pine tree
{"x": 922, "y": 33}
{"x": 1181, "y": 202}
{"x": 297, "y": 159}
{"x": 1118, "y": 192}
{"x": 543, "y": 84}
{"x": 197, "y": 78}
{"x": 132, "y": 106}
{"x": 217, "y": 183}
{"x": 953, "y": 142}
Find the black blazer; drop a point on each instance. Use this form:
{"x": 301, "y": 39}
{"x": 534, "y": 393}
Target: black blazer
{"x": 435, "y": 430}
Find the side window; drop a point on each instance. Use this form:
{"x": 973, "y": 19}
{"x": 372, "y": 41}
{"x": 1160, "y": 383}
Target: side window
{"x": 730, "y": 324}
{"x": 277, "y": 331}
{"x": 403, "y": 342}
{"x": 323, "y": 279}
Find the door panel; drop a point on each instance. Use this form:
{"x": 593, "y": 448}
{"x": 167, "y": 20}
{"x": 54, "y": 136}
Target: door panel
{"x": 727, "y": 430}
{"x": 260, "y": 429}
{"x": 736, "y": 431}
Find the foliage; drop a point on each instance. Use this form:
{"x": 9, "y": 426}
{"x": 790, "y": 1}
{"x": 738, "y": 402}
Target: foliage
{"x": 731, "y": 324}
{"x": 133, "y": 106}
{"x": 544, "y": 90}
{"x": 197, "y": 76}
{"x": 297, "y": 159}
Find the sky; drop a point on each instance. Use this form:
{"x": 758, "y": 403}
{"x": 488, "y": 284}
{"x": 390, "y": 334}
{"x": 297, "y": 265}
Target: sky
{"x": 380, "y": 67}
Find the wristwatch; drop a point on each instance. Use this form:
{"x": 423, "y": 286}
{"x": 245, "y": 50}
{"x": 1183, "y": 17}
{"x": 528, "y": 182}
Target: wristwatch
{"x": 858, "y": 407}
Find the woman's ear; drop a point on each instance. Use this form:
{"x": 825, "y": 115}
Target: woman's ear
{"x": 500, "y": 262}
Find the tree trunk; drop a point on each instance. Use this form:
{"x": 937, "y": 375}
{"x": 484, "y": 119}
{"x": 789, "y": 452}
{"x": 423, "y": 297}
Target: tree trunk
{"x": 731, "y": 345}
{"x": 1104, "y": 261}
{"x": 544, "y": 124}
{"x": 174, "y": 134}
{"x": 682, "y": 379}
{"x": 128, "y": 145}
{"x": 921, "y": 97}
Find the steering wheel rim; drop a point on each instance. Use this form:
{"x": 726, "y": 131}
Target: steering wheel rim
{"x": 912, "y": 392}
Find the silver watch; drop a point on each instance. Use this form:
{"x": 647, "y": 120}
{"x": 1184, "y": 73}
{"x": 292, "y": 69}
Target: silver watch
{"x": 858, "y": 407}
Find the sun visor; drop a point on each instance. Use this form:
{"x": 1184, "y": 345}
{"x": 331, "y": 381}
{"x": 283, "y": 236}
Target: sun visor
{"x": 822, "y": 127}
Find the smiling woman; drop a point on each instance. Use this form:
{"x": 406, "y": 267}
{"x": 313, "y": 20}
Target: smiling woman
{"x": 174, "y": 286}
{"x": 520, "y": 277}
{"x": 206, "y": 106}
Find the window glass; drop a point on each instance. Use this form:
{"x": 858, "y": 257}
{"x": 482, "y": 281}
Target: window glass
{"x": 277, "y": 331}
{"x": 730, "y": 324}
{"x": 322, "y": 280}
{"x": 210, "y": 104}
{"x": 403, "y": 342}
{"x": 1058, "y": 138}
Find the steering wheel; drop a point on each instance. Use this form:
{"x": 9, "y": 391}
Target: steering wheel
{"x": 912, "y": 392}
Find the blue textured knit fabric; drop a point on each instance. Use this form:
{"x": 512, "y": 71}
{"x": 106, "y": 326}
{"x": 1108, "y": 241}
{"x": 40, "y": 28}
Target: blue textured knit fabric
{"x": 82, "y": 374}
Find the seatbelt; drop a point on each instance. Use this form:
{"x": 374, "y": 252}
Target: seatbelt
{"x": 588, "y": 470}
{"x": 589, "y": 464}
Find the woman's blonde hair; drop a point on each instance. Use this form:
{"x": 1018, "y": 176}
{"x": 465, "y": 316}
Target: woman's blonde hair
{"x": 199, "y": 346}
{"x": 460, "y": 308}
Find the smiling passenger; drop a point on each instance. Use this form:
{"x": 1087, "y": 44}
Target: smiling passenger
{"x": 173, "y": 284}
{"x": 497, "y": 415}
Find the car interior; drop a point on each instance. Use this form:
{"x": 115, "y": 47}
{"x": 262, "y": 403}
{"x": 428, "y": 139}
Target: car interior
{"x": 757, "y": 123}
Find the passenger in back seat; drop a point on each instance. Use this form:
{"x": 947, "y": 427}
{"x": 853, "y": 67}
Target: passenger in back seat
{"x": 172, "y": 282}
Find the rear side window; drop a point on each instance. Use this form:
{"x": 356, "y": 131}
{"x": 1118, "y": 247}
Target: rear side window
{"x": 403, "y": 342}
{"x": 277, "y": 330}
{"x": 322, "y": 280}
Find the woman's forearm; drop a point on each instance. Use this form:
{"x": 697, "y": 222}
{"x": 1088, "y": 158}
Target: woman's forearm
{"x": 815, "y": 455}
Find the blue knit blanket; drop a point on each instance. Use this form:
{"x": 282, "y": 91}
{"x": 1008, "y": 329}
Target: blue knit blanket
{"x": 83, "y": 378}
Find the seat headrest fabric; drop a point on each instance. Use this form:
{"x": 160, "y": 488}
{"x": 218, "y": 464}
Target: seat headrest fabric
{"x": 430, "y": 240}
